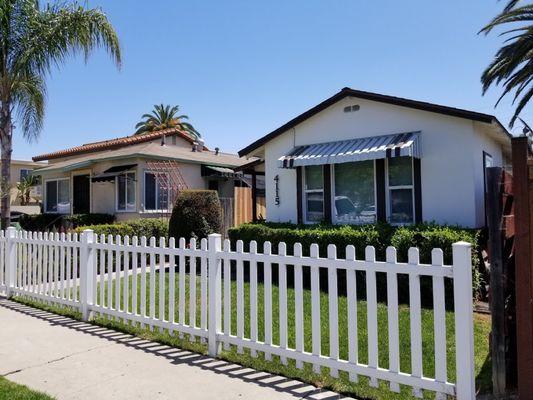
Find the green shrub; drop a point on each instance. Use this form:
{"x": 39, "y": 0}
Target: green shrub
{"x": 149, "y": 227}
{"x": 197, "y": 213}
{"x": 51, "y": 222}
{"x": 323, "y": 235}
{"x": 140, "y": 227}
{"x": 108, "y": 229}
{"x": 88, "y": 219}
{"x": 424, "y": 236}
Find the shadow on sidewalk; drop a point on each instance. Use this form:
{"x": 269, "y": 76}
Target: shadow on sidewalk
{"x": 177, "y": 356}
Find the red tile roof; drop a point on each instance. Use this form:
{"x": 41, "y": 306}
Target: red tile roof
{"x": 114, "y": 144}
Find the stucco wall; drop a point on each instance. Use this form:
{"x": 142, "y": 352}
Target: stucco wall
{"x": 451, "y": 163}
{"x": 103, "y": 194}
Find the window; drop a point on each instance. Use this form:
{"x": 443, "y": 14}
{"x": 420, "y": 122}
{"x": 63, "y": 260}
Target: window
{"x": 57, "y": 196}
{"x": 156, "y": 192}
{"x": 401, "y": 192}
{"x": 314, "y": 193}
{"x": 126, "y": 191}
{"x": 355, "y": 201}
{"x": 24, "y": 173}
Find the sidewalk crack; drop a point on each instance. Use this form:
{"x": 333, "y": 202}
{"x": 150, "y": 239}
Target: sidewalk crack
{"x": 16, "y": 371}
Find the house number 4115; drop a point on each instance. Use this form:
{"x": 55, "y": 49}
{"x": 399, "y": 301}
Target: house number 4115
{"x": 276, "y": 181}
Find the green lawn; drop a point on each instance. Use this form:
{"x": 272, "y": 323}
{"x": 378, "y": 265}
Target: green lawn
{"x": 13, "y": 391}
{"x": 341, "y": 384}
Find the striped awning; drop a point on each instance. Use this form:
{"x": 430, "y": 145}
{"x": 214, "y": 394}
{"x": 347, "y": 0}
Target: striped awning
{"x": 370, "y": 148}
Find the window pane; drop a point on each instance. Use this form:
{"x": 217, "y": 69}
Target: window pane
{"x": 130, "y": 192}
{"x": 401, "y": 206}
{"x": 400, "y": 171}
{"x": 51, "y": 196}
{"x": 315, "y": 206}
{"x": 354, "y": 192}
{"x": 149, "y": 192}
{"x": 314, "y": 177}
{"x": 24, "y": 173}
{"x": 162, "y": 193}
{"x": 63, "y": 197}
{"x": 121, "y": 192}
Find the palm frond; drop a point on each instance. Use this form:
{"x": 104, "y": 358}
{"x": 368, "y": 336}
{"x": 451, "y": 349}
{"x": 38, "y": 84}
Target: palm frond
{"x": 512, "y": 66}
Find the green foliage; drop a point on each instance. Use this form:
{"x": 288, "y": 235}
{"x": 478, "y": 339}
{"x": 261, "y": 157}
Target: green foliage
{"x": 424, "y": 236}
{"x": 512, "y": 66}
{"x": 36, "y": 39}
{"x": 197, "y": 213}
{"x": 164, "y": 117}
{"x": 55, "y": 222}
{"x": 139, "y": 227}
{"x": 323, "y": 235}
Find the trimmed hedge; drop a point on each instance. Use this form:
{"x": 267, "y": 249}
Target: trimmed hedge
{"x": 196, "y": 214}
{"x": 139, "y": 227}
{"x": 424, "y": 236}
{"x": 51, "y": 222}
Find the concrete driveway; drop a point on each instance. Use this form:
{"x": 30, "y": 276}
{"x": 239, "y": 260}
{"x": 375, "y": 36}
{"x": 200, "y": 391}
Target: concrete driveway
{"x": 71, "y": 360}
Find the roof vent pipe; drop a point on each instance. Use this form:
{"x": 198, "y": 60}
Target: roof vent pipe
{"x": 200, "y": 144}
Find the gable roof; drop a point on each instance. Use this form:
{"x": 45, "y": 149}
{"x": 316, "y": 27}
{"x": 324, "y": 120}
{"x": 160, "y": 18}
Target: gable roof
{"x": 382, "y": 98}
{"x": 114, "y": 144}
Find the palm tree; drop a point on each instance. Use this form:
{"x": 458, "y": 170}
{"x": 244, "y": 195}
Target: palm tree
{"x": 24, "y": 188}
{"x": 513, "y": 64}
{"x": 34, "y": 40}
{"x": 163, "y": 117}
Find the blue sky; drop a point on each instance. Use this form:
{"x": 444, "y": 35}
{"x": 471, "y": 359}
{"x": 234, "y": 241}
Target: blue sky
{"x": 240, "y": 69}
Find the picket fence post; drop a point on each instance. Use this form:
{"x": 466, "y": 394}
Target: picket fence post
{"x": 464, "y": 325}
{"x": 86, "y": 273}
{"x": 10, "y": 260}
{"x": 214, "y": 293}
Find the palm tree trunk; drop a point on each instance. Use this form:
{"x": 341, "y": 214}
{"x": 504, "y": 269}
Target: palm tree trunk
{"x": 6, "y": 145}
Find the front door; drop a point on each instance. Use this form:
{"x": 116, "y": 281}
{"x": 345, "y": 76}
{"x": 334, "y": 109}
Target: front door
{"x": 81, "y": 194}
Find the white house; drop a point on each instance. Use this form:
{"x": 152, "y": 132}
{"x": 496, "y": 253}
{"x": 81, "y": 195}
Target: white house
{"x": 361, "y": 157}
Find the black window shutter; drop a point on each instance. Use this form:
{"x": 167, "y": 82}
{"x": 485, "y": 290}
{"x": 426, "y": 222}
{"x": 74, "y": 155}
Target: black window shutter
{"x": 327, "y": 193}
{"x": 299, "y": 188}
{"x": 418, "y": 190}
{"x": 381, "y": 206}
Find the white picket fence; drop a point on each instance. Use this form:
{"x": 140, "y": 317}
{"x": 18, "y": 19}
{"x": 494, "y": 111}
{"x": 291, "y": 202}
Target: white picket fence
{"x": 81, "y": 273}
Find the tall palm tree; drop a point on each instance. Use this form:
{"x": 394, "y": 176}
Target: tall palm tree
{"x": 163, "y": 117}
{"x": 33, "y": 40}
{"x": 512, "y": 66}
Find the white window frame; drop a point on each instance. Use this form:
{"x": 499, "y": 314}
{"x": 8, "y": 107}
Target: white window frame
{"x": 305, "y": 192}
{"x": 157, "y": 209}
{"x": 46, "y": 211}
{"x": 333, "y": 195}
{"x": 134, "y": 209}
{"x": 398, "y": 187}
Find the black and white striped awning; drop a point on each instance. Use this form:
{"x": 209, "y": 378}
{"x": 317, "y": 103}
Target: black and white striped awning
{"x": 370, "y": 148}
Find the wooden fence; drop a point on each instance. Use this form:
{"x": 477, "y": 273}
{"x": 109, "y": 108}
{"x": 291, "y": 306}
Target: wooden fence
{"x": 198, "y": 299}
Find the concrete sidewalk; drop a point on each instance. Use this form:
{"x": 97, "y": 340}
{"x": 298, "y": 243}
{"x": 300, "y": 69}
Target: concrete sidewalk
{"x": 71, "y": 360}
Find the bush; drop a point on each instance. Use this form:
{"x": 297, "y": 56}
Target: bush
{"x": 196, "y": 214}
{"x": 424, "y": 236}
{"x": 140, "y": 227}
{"x": 323, "y": 235}
{"x": 54, "y": 222}
{"x": 108, "y": 229}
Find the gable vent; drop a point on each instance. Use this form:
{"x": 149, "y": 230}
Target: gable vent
{"x": 353, "y": 108}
